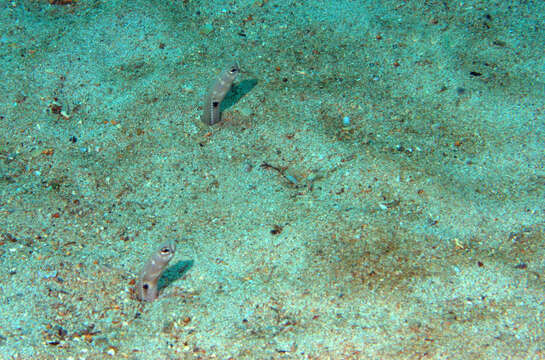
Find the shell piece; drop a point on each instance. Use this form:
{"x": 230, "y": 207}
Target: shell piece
{"x": 146, "y": 287}
{"x": 216, "y": 94}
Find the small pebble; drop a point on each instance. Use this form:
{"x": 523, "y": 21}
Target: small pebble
{"x": 346, "y": 121}
{"x": 206, "y": 29}
{"x": 248, "y": 167}
{"x": 47, "y": 275}
{"x": 292, "y": 179}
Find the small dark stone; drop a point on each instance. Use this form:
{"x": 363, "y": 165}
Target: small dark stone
{"x": 61, "y": 332}
{"x": 277, "y": 229}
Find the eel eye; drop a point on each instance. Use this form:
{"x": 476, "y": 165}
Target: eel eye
{"x": 234, "y": 70}
{"x": 165, "y": 250}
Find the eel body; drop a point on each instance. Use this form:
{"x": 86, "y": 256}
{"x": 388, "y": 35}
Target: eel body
{"x": 216, "y": 94}
{"x": 146, "y": 287}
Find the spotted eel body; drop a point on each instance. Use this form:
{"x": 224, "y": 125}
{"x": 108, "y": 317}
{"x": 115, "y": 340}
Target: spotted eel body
{"x": 216, "y": 94}
{"x": 146, "y": 288}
